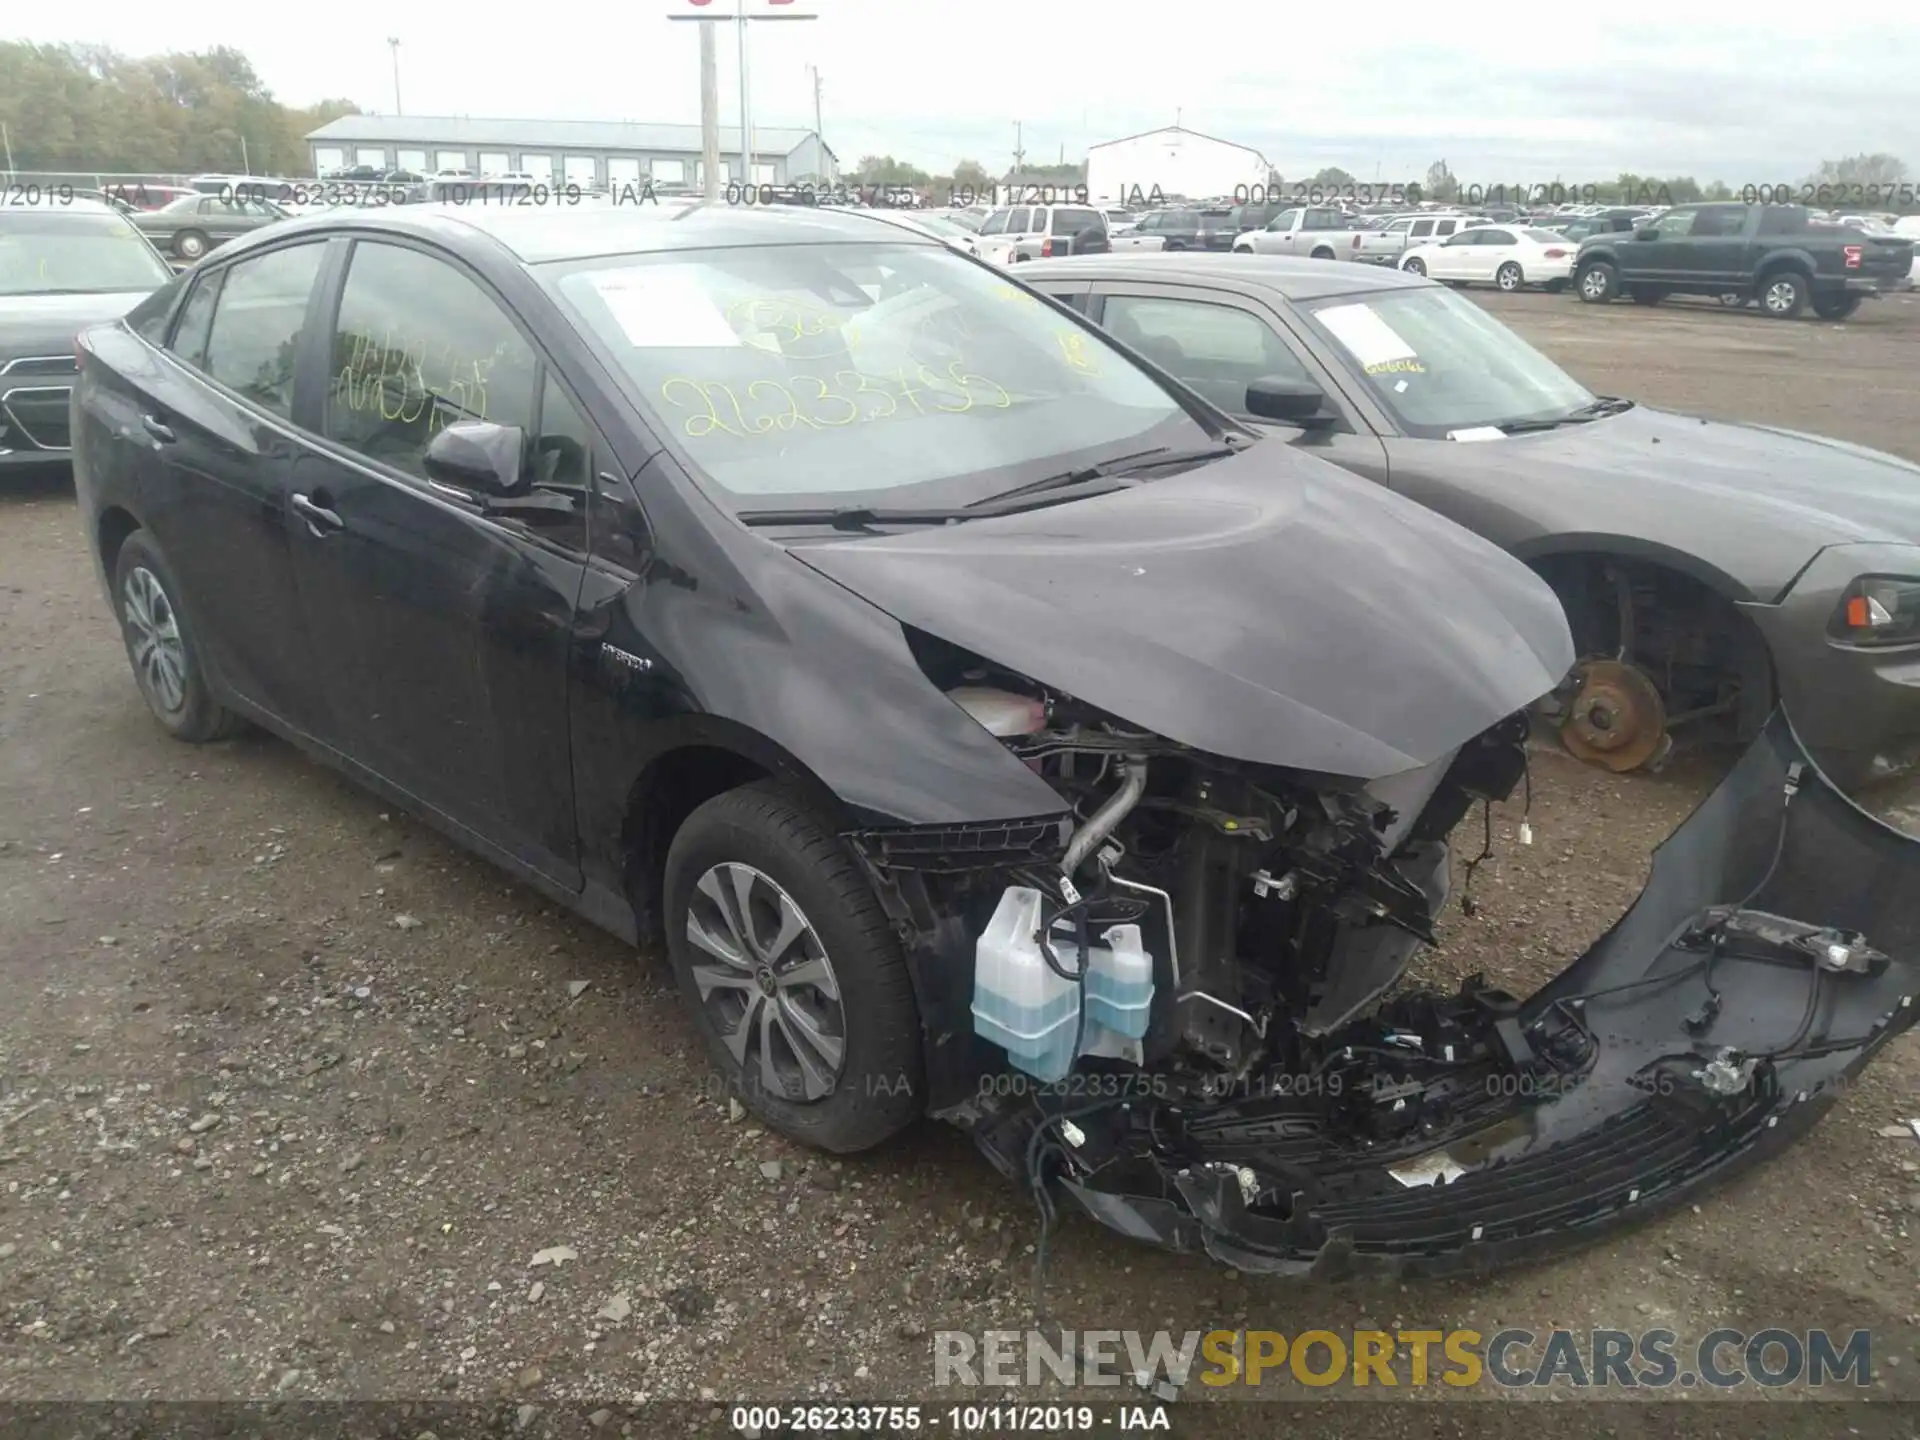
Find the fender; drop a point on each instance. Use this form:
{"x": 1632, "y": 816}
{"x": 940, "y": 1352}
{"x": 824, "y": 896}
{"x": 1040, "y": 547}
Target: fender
{"x": 1631, "y": 547}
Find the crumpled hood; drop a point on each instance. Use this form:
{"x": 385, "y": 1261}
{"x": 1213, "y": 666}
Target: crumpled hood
{"x": 47, "y": 324}
{"x": 1269, "y": 608}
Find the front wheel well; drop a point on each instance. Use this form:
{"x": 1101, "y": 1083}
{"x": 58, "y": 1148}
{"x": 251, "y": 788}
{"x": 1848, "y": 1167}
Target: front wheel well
{"x": 111, "y": 533}
{"x": 671, "y": 787}
{"x": 1702, "y": 653}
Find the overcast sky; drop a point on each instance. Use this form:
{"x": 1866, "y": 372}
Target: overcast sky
{"x": 1381, "y": 89}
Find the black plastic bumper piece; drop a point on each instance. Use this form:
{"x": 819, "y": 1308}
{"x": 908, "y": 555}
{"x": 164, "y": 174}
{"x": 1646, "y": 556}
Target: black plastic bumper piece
{"x": 1655, "y": 1111}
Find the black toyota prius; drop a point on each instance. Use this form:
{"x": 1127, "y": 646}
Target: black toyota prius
{"x": 984, "y": 724}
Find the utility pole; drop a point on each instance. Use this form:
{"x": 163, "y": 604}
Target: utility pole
{"x": 746, "y": 123}
{"x": 709, "y": 115}
{"x": 1019, "y": 155}
{"x": 7, "y": 140}
{"x": 740, "y": 17}
{"x": 393, "y": 44}
{"x": 819, "y": 138}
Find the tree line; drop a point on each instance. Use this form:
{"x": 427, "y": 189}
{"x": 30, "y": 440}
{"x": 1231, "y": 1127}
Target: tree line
{"x": 88, "y": 108}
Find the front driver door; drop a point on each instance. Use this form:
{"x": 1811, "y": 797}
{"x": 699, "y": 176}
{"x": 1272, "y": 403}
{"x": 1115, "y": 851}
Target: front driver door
{"x": 1219, "y": 343}
{"x": 441, "y": 620}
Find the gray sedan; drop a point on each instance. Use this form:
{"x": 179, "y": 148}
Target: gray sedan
{"x": 1709, "y": 570}
{"x": 195, "y": 224}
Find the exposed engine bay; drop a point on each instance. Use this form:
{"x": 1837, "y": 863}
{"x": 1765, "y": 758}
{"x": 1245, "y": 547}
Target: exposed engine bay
{"x": 1179, "y": 1005}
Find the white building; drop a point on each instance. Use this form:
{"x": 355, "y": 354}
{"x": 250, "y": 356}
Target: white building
{"x": 1179, "y": 161}
{"x": 582, "y": 152}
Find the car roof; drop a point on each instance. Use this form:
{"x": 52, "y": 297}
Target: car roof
{"x": 1295, "y": 277}
{"x": 541, "y": 233}
{"x": 53, "y": 205}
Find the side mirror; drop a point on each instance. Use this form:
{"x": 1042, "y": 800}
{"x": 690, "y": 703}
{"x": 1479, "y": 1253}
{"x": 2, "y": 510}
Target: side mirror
{"x": 1274, "y": 397}
{"x": 1646, "y": 232}
{"x": 480, "y": 456}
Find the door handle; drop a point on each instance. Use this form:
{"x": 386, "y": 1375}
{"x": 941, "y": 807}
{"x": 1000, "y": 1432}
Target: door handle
{"x": 158, "y": 429}
{"x": 320, "y": 520}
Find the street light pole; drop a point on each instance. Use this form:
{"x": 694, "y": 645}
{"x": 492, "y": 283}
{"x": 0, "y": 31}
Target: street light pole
{"x": 393, "y": 44}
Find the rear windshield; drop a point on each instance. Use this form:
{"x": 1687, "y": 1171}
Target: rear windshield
{"x": 52, "y": 250}
{"x": 1072, "y": 222}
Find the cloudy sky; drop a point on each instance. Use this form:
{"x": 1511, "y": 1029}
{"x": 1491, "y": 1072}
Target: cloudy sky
{"x": 1381, "y": 89}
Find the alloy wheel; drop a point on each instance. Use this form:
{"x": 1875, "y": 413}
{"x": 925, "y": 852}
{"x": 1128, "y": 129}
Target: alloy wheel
{"x": 159, "y": 655}
{"x": 1593, "y": 284}
{"x": 767, "y": 983}
{"x": 1509, "y": 277}
{"x": 1780, "y": 296}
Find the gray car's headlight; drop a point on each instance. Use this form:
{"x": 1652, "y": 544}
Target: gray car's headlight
{"x": 1879, "y": 610}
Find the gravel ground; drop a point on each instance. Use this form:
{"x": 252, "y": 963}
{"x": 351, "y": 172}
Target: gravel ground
{"x": 298, "y": 1101}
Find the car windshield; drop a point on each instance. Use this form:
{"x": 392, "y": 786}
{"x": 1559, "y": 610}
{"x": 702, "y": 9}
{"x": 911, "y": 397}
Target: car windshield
{"x": 864, "y": 371}
{"x": 53, "y": 251}
{"x": 1439, "y": 363}
{"x": 941, "y": 225}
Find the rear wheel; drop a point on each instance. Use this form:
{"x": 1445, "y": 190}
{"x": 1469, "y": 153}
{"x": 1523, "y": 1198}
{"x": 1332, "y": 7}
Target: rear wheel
{"x": 793, "y": 974}
{"x": 1733, "y": 300}
{"x": 189, "y": 244}
{"x": 1322, "y": 253}
{"x": 1509, "y": 277}
{"x": 1835, "y": 307}
{"x": 1598, "y": 283}
{"x": 162, "y": 647}
{"x": 1554, "y": 287}
{"x": 1414, "y": 266}
{"x": 1783, "y": 294}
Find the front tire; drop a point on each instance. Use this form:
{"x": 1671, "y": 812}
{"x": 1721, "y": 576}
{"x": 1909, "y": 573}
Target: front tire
{"x": 1784, "y": 294}
{"x": 1415, "y": 266}
{"x": 1509, "y": 277}
{"x": 1599, "y": 283}
{"x": 794, "y": 976}
{"x": 162, "y": 647}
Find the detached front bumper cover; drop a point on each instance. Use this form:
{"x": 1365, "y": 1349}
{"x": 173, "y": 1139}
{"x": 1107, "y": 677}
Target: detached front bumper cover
{"x": 1686, "y": 1045}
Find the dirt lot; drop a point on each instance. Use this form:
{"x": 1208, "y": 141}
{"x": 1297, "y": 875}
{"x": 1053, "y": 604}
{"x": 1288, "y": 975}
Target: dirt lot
{"x": 293, "y": 1094}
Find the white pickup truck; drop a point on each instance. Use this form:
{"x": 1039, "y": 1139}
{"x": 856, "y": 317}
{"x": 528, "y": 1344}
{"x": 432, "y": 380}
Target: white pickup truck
{"x": 1322, "y": 233}
{"x": 1386, "y": 245}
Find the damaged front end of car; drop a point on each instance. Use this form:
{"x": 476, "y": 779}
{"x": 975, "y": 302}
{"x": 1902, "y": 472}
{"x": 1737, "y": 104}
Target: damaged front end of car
{"x": 1178, "y": 1004}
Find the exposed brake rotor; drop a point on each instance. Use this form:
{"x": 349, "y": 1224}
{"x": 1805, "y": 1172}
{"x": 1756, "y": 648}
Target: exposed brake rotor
{"x": 1616, "y": 719}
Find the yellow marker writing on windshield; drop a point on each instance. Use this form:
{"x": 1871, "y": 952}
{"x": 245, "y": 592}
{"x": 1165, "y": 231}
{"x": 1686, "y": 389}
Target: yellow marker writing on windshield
{"x": 1073, "y": 345}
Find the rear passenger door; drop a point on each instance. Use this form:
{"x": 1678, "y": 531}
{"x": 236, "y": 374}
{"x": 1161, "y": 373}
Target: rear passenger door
{"x": 218, "y": 416}
{"x": 442, "y": 618}
{"x": 1218, "y": 343}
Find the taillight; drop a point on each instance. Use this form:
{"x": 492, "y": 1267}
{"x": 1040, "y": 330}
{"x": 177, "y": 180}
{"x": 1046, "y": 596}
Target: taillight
{"x": 1852, "y": 252}
{"x": 1356, "y": 239}
{"x": 1558, "y": 254}
{"x": 1046, "y": 248}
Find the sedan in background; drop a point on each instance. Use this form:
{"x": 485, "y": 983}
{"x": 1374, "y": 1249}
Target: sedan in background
{"x": 1709, "y": 569}
{"x": 194, "y": 224}
{"x": 63, "y": 266}
{"x": 1499, "y": 255}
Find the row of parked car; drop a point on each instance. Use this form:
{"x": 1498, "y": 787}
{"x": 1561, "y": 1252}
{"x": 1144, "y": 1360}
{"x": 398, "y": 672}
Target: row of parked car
{"x": 1786, "y": 259}
{"x": 916, "y": 651}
